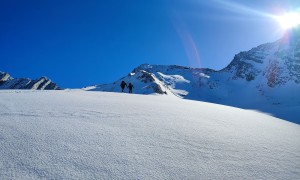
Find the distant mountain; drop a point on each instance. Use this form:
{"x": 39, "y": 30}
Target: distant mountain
{"x": 266, "y": 78}
{"x": 43, "y": 83}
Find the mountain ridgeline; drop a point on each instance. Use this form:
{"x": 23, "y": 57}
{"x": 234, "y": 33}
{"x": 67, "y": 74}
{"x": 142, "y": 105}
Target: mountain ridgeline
{"x": 265, "y": 78}
{"x": 43, "y": 83}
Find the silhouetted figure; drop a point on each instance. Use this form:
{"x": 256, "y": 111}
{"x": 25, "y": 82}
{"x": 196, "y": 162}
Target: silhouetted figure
{"x": 123, "y": 85}
{"x": 130, "y": 87}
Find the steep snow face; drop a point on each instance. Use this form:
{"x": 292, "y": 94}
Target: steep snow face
{"x": 43, "y": 83}
{"x": 266, "y": 78}
{"x": 99, "y": 135}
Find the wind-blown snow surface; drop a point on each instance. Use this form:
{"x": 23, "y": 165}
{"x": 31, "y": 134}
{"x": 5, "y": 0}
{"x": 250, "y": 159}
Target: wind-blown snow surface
{"x": 98, "y": 135}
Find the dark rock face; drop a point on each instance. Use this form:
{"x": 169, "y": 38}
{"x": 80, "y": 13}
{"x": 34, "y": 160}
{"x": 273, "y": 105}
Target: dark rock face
{"x": 272, "y": 74}
{"x": 145, "y": 76}
{"x": 243, "y": 69}
{"x": 43, "y": 83}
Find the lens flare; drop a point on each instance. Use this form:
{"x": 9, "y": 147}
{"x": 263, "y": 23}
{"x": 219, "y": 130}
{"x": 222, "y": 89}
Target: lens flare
{"x": 242, "y": 9}
{"x": 286, "y": 20}
{"x": 289, "y": 20}
{"x": 189, "y": 43}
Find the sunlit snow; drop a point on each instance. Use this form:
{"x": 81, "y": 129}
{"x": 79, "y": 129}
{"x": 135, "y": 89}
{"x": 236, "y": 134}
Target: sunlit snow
{"x": 97, "y": 135}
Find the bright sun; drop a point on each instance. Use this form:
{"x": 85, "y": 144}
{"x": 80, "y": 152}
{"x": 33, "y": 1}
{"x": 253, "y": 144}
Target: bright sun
{"x": 289, "y": 20}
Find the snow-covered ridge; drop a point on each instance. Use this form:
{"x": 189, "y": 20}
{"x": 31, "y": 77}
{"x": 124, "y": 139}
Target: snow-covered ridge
{"x": 266, "y": 78}
{"x": 43, "y": 83}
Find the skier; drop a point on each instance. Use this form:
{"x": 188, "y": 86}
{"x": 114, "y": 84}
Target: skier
{"x": 123, "y": 85}
{"x": 130, "y": 86}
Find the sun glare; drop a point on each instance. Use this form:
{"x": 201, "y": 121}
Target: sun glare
{"x": 289, "y": 20}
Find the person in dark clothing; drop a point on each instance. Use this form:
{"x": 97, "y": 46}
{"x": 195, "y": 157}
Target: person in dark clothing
{"x": 130, "y": 87}
{"x": 123, "y": 85}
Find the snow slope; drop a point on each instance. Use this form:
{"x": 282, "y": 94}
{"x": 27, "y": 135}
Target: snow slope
{"x": 98, "y": 135}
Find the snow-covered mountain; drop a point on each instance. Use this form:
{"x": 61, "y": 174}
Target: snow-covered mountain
{"x": 266, "y": 78}
{"x": 74, "y": 134}
{"x": 43, "y": 83}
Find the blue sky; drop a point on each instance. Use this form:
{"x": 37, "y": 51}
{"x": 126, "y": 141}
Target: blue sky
{"x": 77, "y": 43}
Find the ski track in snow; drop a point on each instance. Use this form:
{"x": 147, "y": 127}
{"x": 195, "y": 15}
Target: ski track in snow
{"x": 96, "y": 135}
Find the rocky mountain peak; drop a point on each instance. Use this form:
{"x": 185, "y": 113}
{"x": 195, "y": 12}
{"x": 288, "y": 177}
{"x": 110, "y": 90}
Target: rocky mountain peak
{"x": 278, "y": 62}
{"x": 4, "y": 76}
{"x": 42, "y": 83}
